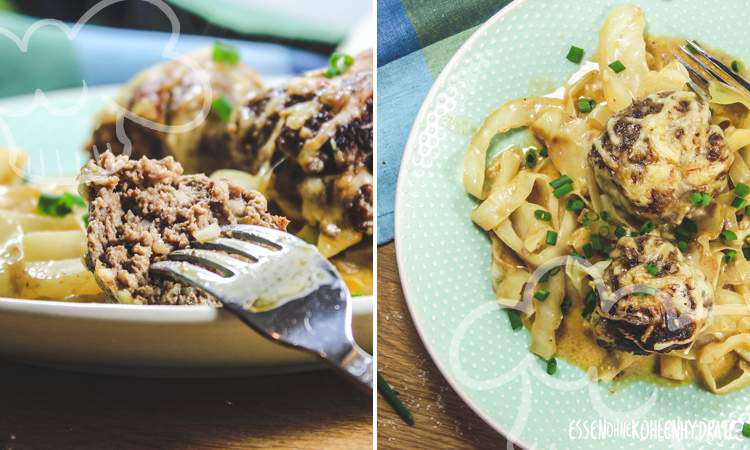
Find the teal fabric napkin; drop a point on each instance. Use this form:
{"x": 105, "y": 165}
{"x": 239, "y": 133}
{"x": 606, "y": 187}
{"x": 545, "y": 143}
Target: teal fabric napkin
{"x": 416, "y": 39}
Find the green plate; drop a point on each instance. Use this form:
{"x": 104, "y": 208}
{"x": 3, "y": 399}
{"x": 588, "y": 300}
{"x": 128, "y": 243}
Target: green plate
{"x": 444, "y": 260}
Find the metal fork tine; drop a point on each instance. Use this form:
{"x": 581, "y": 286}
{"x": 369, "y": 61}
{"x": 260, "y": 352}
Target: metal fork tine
{"x": 703, "y": 66}
{"x": 191, "y": 274}
{"x": 214, "y": 260}
{"x": 246, "y": 249}
{"x": 702, "y": 92}
{"x": 692, "y": 71}
{"x": 262, "y": 235}
{"x": 736, "y": 77}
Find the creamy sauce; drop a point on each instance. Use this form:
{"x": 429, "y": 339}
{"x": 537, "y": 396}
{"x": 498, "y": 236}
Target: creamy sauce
{"x": 286, "y": 278}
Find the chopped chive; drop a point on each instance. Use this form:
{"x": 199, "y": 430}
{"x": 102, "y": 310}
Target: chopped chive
{"x": 729, "y": 255}
{"x": 86, "y": 219}
{"x": 224, "y": 52}
{"x": 738, "y": 202}
{"x": 531, "y": 158}
{"x": 617, "y": 66}
{"x": 736, "y": 66}
{"x": 338, "y": 63}
{"x": 551, "y": 238}
{"x": 589, "y": 304}
{"x": 728, "y": 235}
{"x": 652, "y": 269}
{"x": 620, "y": 231}
{"x": 392, "y": 398}
{"x": 551, "y": 366}
{"x": 746, "y": 252}
{"x": 222, "y": 106}
{"x": 696, "y": 198}
{"x": 741, "y": 189}
{"x": 646, "y": 228}
{"x": 682, "y": 245}
{"x": 515, "y": 319}
{"x": 58, "y": 205}
{"x": 746, "y": 429}
{"x": 604, "y": 215}
{"x": 706, "y": 200}
{"x": 575, "y": 54}
{"x": 563, "y": 180}
{"x": 544, "y": 152}
{"x": 586, "y": 105}
{"x": 596, "y": 242}
{"x": 575, "y": 204}
{"x": 541, "y": 214}
{"x": 565, "y": 305}
{"x": 563, "y": 190}
{"x": 588, "y": 250}
{"x": 541, "y": 294}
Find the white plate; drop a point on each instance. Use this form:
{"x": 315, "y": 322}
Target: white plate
{"x": 125, "y": 339}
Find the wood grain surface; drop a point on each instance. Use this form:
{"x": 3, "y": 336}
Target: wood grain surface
{"x": 48, "y": 409}
{"x": 442, "y": 419}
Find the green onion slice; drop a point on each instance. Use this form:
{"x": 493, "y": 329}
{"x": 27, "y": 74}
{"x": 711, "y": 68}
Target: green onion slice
{"x": 551, "y": 366}
{"x": 385, "y": 390}
{"x": 338, "y": 63}
{"x": 224, "y": 52}
{"x": 222, "y": 106}
{"x": 575, "y": 204}
{"x": 515, "y": 319}
{"x": 728, "y": 235}
{"x": 575, "y": 54}
{"x": 741, "y": 189}
{"x": 58, "y": 205}
{"x": 617, "y": 66}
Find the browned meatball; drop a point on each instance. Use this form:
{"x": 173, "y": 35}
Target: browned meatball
{"x": 653, "y": 155}
{"x": 666, "y": 313}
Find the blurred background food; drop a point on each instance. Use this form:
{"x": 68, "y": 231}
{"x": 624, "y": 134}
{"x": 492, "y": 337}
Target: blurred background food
{"x": 124, "y": 44}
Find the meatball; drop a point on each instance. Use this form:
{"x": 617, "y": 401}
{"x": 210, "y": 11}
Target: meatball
{"x": 654, "y": 154}
{"x": 173, "y": 94}
{"x": 664, "y": 316}
{"x": 140, "y": 210}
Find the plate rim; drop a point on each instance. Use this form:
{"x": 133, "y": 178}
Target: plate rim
{"x": 408, "y": 150}
{"x": 112, "y": 312}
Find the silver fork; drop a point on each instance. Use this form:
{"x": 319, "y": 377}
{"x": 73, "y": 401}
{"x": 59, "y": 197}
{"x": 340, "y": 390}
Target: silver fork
{"x": 712, "y": 67}
{"x": 280, "y": 286}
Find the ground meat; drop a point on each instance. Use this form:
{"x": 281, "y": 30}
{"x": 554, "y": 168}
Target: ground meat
{"x": 641, "y": 323}
{"x": 653, "y": 155}
{"x": 140, "y": 210}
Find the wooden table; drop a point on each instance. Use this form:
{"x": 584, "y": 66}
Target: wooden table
{"x": 48, "y": 409}
{"x": 442, "y": 419}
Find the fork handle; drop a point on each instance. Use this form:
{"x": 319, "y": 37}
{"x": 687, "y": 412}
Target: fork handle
{"x": 356, "y": 365}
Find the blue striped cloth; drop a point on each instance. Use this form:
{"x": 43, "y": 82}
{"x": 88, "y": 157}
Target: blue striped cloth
{"x": 416, "y": 39}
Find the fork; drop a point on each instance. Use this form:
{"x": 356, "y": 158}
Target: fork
{"x": 281, "y": 287}
{"x": 712, "y": 66}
